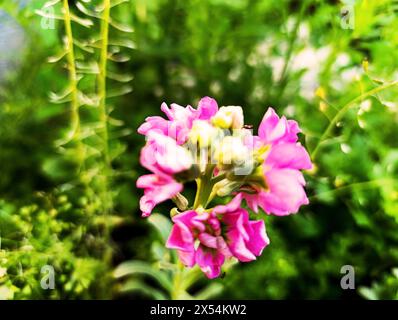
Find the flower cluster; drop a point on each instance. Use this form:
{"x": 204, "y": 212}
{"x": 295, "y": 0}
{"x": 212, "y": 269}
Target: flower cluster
{"x": 212, "y": 146}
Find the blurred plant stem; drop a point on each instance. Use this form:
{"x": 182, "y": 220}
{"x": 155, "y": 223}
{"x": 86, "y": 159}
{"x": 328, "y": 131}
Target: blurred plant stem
{"x": 357, "y": 185}
{"x": 107, "y": 200}
{"x": 340, "y": 114}
{"x": 75, "y": 117}
{"x": 178, "y": 287}
{"x": 292, "y": 41}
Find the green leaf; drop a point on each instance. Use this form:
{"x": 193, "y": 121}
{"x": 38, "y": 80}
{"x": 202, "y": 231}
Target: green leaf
{"x": 139, "y": 267}
{"x": 212, "y": 290}
{"x": 86, "y": 11}
{"x": 81, "y": 21}
{"x": 137, "y": 285}
{"x": 119, "y": 91}
{"x": 57, "y": 57}
{"x": 368, "y": 293}
{"x": 50, "y": 3}
{"x": 120, "y": 77}
{"x": 90, "y": 67}
{"x": 161, "y": 224}
{"x": 121, "y": 26}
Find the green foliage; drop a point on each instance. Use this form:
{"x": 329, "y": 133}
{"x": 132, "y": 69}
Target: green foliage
{"x": 69, "y": 155}
{"x": 173, "y": 280}
{"x": 52, "y": 231}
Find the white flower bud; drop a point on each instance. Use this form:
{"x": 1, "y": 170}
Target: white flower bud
{"x": 230, "y": 117}
{"x": 231, "y": 151}
{"x": 202, "y": 133}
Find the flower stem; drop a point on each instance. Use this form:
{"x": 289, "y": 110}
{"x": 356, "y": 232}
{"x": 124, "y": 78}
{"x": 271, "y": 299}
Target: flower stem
{"x": 177, "y": 282}
{"x": 205, "y": 185}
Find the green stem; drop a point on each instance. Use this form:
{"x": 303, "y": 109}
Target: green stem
{"x": 292, "y": 41}
{"x": 218, "y": 178}
{"x": 103, "y": 118}
{"x": 75, "y": 117}
{"x": 178, "y": 282}
{"x": 344, "y": 110}
{"x": 356, "y": 185}
{"x": 103, "y": 112}
{"x": 102, "y": 79}
{"x": 205, "y": 185}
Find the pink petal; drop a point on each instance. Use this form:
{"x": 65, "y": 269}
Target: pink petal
{"x": 147, "y": 181}
{"x": 238, "y": 247}
{"x": 251, "y": 200}
{"x": 271, "y": 127}
{"x": 209, "y": 261}
{"x": 233, "y": 205}
{"x": 180, "y": 238}
{"x": 207, "y": 108}
{"x": 286, "y": 193}
{"x": 154, "y": 123}
{"x": 289, "y": 155}
{"x": 156, "y": 190}
{"x": 208, "y": 240}
{"x": 258, "y": 239}
{"x": 162, "y": 154}
{"x": 187, "y": 257}
{"x": 293, "y": 130}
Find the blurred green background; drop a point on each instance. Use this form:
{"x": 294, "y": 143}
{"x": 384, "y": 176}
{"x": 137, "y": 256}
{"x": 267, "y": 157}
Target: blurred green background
{"x": 307, "y": 59}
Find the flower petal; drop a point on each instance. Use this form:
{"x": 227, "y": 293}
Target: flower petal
{"x": 289, "y": 155}
{"x": 209, "y": 261}
{"x": 207, "y": 108}
{"x": 286, "y": 193}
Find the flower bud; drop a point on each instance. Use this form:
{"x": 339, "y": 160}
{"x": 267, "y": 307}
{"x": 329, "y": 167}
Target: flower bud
{"x": 230, "y": 117}
{"x": 180, "y": 201}
{"x": 231, "y": 151}
{"x": 226, "y": 187}
{"x": 202, "y": 133}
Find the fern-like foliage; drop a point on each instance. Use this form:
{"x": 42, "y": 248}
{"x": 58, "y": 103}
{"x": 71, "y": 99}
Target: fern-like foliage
{"x": 91, "y": 140}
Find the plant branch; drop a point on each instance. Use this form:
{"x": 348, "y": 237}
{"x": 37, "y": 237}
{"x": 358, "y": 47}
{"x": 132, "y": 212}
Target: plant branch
{"x": 340, "y": 114}
{"x": 357, "y": 185}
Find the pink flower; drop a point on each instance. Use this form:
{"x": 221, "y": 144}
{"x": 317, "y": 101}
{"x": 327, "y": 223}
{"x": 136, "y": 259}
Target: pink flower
{"x": 164, "y": 158}
{"x": 273, "y": 130}
{"x": 207, "y": 108}
{"x": 180, "y": 119}
{"x": 285, "y": 183}
{"x": 156, "y": 190}
{"x": 223, "y": 232}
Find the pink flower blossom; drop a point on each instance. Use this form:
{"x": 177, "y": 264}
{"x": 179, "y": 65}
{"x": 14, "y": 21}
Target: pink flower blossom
{"x": 180, "y": 119}
{"x": 285, "y": 183}
{"x": 207, "y": 108}
{"x": 164, "y": 158}
{"x": 273, "y": 130}
{"x": 210, "y": 237}
{"x": 156, "y": 190}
